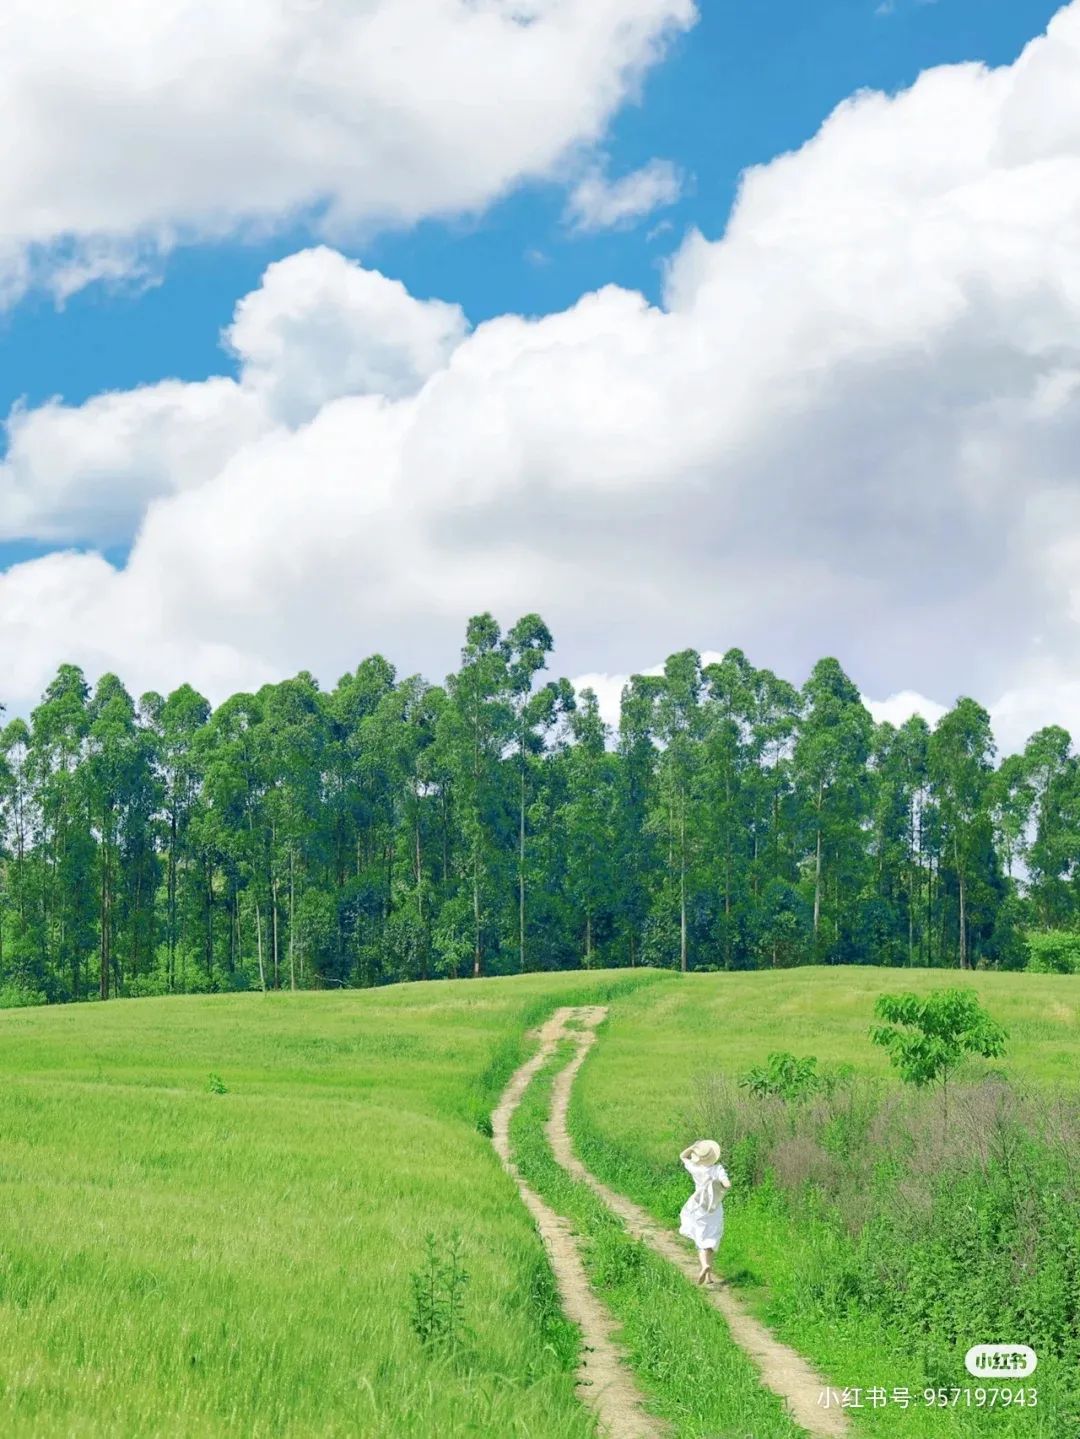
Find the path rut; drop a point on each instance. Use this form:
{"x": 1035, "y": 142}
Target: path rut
{"x": 782, "y": 1370}
{"x": 604, "y": 1382}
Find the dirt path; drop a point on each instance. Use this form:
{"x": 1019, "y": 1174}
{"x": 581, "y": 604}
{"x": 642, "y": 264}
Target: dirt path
{"x": 604, "y": 1381}
{"x": 782, "y": 1370}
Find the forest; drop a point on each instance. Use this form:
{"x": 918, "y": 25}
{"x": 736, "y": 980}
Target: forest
{"x": 391, "y": 829}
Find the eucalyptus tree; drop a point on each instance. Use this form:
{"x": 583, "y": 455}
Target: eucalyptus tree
{"x": 525, "y": 651}
{"x": 476, "y": 726}
{"x": 960, "y": 755}
{"x": 635, "y": 840}
{"x": 59, "y": 727}
{"x": 293, "y": 732}
{"x": 590, "y": 819}
{"x": 1050, "y": 772}
{"x": 679, "y": 726}
{"x": 830, "y": 757}
{"x": 235, "y": 785}
{"x": 772, "y": 800}
{"x": 1010, "y": 800}
{"x": 174, "y": 724}
{"x": 121, "y": 799}
{"x": 727, "y": 759}
{"x": 912, "y": 752}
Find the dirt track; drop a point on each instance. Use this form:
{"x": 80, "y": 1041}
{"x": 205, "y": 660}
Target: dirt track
{"x": 604, "y": 1382}
{"x": 782, "y": 1370}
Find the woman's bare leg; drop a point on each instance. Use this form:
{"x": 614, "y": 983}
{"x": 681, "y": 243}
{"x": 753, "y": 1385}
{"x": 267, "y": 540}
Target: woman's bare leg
{"x": 705, "y": 1260}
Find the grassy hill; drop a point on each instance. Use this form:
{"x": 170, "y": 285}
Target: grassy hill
{"x": 180, "y": 1261}
{"x": 923, "y": 1229}
{"x": 211, "y": 1207}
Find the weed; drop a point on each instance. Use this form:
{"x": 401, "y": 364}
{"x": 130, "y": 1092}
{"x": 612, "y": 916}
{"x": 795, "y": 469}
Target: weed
{"x": 438, "y": 1296}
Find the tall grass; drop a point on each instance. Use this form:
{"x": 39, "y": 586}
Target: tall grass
{"x": 947, "y": 1228}
{"x": 183, "y": 1258}
{"x": 877, "y": 1242}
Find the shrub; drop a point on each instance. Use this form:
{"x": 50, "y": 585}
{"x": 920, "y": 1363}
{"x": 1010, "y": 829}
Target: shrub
{"x": 786, "y": 1077}
{"x": 1054, "y": 951}
{"x": 17, "y": 996}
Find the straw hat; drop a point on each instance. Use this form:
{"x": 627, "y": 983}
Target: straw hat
{"x": 705, "y": 1151}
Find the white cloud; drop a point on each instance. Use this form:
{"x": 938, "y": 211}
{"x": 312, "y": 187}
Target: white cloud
{"x": 900, "y": 707}
{"x": 852, "y": 429}
{"x": 148, "y": 123}
{"x": 319, "y": 327}
{"x": 597, "y": 203}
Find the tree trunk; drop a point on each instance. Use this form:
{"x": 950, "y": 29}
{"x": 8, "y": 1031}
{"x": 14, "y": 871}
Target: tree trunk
{"x": 682, "y": 889}
{"x": 103, "y": 978}
{"x": 292, "y": 918}
{"x": 259, "y": 947}
{"x": 274, "y": 919}
{"x": 521, "y": 870}
{"x": 419, "y": 870}
{"x": 171, "y": 975}
{"x": 478, "y": 964}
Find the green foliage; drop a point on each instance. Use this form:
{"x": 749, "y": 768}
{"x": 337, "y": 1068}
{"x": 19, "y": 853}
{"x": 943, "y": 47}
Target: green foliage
{"x": 1053, "y": 952}
{"x": 784, "y": 1076}
{"x": 928, "y": 1036}
{"x": 390, "y": 829}
{"x": 17, "y": 996}
{"x": 437, "y": 1315}
{"x": 216, "y": 1085}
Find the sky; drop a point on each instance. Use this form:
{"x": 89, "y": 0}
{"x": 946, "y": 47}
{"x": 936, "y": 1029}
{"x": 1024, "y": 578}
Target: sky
{"x": 324, "y": 326}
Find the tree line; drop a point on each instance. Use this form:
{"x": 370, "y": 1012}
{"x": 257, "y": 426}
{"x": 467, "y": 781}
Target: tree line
{"x": 392, "y": 829}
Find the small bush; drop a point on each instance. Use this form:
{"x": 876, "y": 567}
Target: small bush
{"x": 217, "y": 1085}
{"x": 783, "y": 1076}
{"x": 17, "y": 996}
{"x": 1054, "y": 952}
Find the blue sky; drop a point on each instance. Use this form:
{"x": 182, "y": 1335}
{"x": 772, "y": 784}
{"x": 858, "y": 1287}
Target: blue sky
{"x": 850, "y": 428}
{"x": 748, "y": 82}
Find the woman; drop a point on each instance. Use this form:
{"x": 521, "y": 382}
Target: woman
{"x": 702, "y": 1216}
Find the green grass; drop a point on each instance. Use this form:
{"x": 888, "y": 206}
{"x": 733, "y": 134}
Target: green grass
{"x": 677, "y": 1344}
{"x": 631, "y": 1115}
{"x": 178, "y": 1261}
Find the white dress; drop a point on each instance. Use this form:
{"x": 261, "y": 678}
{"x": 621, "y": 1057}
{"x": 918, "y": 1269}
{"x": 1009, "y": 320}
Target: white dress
{"x": 702, "y": 1216}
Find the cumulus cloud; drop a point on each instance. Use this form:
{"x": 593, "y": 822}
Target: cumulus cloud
{"x": 318, "y": 327}
{"x": 146, "y": 124}
{"x": 851, "y": 428}
{"x": 597, "y": 203}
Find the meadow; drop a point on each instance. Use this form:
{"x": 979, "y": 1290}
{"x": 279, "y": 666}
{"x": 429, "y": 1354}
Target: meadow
{"x": 667, "y": 1063}
{"x": 212, "y": 1207}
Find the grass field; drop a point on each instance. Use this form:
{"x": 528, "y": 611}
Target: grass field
{"x": 635, "y": 1104}
{"x": 180, "y": 1261}
{"x": 211, "y": 1207}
